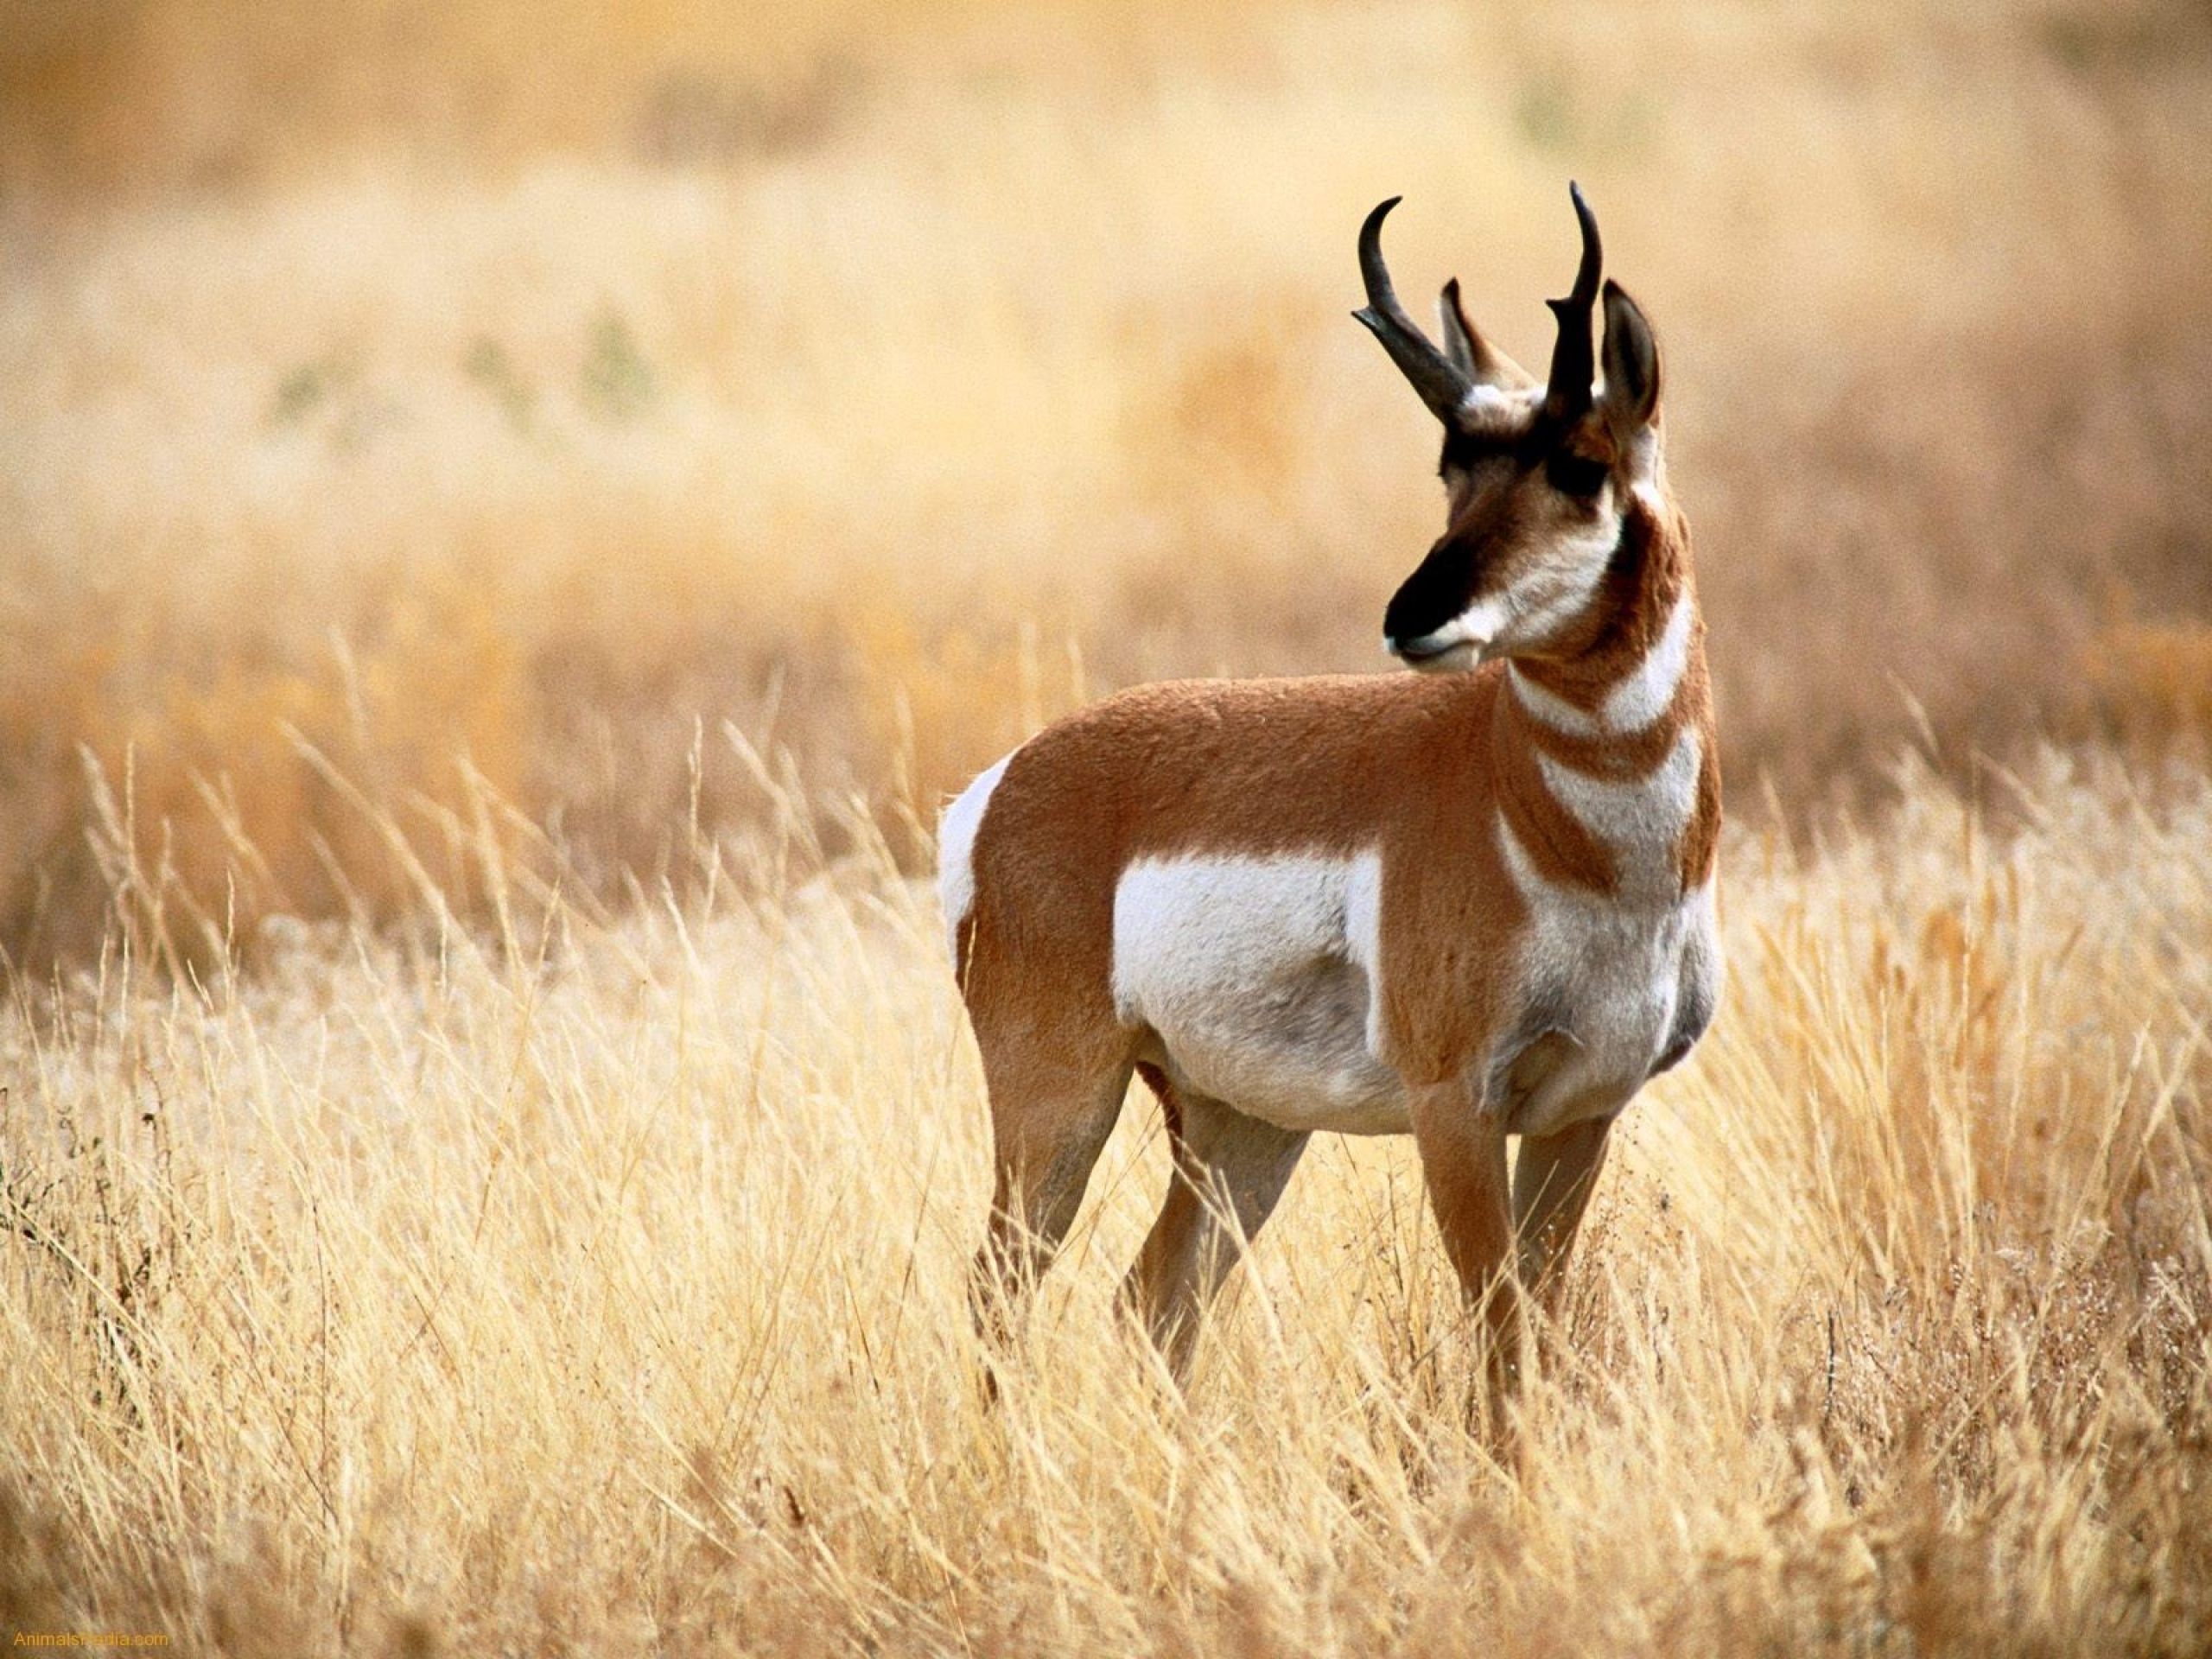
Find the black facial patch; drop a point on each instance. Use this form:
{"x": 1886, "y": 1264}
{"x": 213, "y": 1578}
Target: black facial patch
{"x": 1462, "y": 451}
{"x": 1574, "y": 474}
{"x": 1466, "y": 452}
{"x": 1445, "y": 584}
{"x": 1436, "y": 592}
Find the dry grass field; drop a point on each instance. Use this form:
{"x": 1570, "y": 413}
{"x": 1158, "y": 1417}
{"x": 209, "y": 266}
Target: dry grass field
{"x": 600, "y": 1288}
{"x": 511, "y": 517}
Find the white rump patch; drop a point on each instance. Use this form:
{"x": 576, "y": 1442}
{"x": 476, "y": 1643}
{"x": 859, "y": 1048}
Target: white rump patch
{"x": 1258, "y": 976}
{"x": 955, "y": 853}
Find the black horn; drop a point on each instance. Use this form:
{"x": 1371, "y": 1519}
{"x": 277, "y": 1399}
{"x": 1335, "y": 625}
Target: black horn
{"x": 1443, "y": 385}
{"x": 1574, "y": 364}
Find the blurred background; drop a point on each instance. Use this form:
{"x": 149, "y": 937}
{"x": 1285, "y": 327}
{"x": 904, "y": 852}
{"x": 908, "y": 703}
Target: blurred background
{"x": 436, "y": 433}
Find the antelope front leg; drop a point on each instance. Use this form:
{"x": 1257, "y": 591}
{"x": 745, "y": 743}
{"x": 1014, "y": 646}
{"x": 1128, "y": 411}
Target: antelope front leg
{"x": 1552, "y": 1181}
{"x": 1463, "y": 1162}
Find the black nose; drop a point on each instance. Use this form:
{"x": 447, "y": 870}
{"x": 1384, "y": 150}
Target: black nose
{"x": 1431, "y": 597}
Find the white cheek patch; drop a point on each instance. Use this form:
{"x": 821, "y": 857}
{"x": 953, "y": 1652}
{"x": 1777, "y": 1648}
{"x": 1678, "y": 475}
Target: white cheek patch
{"x": 1476, "y": 626}
{"x": 1541, "y": 602}
{"x": 1561, "y": 585}
{"x": 956, "y": 852}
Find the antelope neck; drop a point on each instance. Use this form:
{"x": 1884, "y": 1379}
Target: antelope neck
{"x": 1602, "y": 751}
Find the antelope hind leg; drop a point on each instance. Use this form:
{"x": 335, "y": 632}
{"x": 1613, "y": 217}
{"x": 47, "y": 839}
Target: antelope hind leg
{"x": 1048, "y": 1126}
{"x": 1230, "y": 1170}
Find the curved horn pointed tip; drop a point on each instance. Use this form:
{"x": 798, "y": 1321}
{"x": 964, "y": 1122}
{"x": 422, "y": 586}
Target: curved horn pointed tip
{"x": 1371, "y": 226}
{"x": 1584, "y": 291}
{"x": 1585, "y": 215}
{"x": 1441, "y": 383}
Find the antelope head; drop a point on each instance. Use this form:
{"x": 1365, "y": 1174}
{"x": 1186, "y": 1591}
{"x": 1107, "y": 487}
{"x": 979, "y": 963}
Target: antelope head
{"x": 1536, "y": 473}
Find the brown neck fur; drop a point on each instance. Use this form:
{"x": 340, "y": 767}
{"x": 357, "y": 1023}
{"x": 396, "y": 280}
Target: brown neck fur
{"x": 1650, "y": 575}
{"x": 1650, "y": 571}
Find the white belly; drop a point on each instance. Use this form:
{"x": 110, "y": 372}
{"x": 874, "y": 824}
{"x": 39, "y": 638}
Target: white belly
{"x": 1256, "y": 977}
{"x": 1255, "y": 980}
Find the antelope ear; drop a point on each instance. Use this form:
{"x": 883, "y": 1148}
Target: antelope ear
{"x": 1631, "y": 403}
{"x": 1475, "y": 358}
{"x": 1458, "y": 333}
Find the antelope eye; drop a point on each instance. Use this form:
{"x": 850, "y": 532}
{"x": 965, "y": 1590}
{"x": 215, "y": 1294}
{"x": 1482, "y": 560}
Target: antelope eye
{"x": 1573, "y": 474}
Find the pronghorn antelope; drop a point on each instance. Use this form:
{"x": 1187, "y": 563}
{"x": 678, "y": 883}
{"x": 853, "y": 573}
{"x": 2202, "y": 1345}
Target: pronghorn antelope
{"x": 1472, "y": 903}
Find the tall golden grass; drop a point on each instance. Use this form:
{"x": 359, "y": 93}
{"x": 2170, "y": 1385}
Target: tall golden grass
{"x": 591, "y": 1287}
{"x": 511, "y": 517}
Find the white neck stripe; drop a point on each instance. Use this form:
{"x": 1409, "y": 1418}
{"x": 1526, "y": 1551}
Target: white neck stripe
{"x": 1548, "y": 707}
{"x": 1649, "y": 690}
{"x": 1636, "y": 704}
